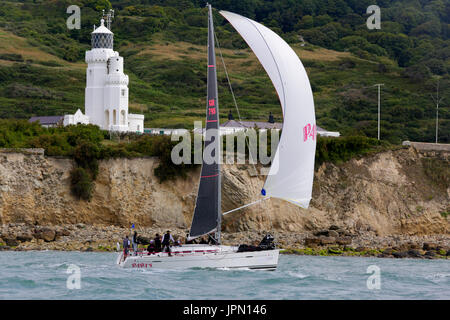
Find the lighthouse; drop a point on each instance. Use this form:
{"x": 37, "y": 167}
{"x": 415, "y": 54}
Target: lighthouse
{"x": 106, "y": 93}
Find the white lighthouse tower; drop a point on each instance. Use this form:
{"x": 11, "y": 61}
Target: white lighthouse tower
{"x": 106, "y": 95}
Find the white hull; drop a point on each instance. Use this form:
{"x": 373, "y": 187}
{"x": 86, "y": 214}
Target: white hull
{"x": 202, "y": 256}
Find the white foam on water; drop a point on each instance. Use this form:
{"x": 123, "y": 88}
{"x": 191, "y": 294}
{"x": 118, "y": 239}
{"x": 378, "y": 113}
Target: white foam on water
{"x": 235, "y": 269}
{"x": 438, "y": 276}
{"x": 296, "y": 274}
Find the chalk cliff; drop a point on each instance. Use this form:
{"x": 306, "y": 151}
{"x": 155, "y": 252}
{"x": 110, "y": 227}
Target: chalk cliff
{"x": 388, "y": 193}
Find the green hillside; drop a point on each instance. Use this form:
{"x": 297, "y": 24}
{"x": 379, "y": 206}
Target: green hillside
{"x": 42, "y": 69}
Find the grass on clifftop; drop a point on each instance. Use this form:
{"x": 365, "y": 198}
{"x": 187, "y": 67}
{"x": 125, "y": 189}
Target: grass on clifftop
{"x": 342, "y": 149}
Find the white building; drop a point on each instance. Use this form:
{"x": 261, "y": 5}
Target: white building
{"x": 106, "y": 94}
{"x": 232, "y": 126}
{"x": 76, "y": 118}
{"x": 48, "y": 121}
{"x": 164, "y": 131}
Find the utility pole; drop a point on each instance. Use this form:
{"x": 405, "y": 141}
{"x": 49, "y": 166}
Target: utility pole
{"x": 437, "y": 100}
{"x": 379, "y": 89}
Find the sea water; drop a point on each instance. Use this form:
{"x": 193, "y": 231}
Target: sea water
{"x": 92, "y": 275}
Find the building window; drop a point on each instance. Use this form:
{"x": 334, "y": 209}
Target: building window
{"x": 122, "y": 117}
{"x": 124, "y": 92}
{"x": 102, "y": 40}
{"x": 107, "y": 119}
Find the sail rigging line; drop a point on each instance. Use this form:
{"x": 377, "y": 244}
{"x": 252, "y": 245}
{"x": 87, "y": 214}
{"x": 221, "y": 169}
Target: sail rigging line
{"x": 228, "y": 78}
{"x": 246, "y": 205}
{"x": 247, "y": 141}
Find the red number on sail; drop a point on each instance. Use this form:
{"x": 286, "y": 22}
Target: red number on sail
{"x": 212, "y": 111}
{"x": 211, "y": 102}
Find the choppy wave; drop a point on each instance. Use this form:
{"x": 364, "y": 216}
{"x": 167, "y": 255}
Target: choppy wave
{"x": 43, "y": 275}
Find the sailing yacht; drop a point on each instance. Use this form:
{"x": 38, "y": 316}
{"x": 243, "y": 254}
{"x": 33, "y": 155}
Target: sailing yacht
{"x": 290, "y": 176}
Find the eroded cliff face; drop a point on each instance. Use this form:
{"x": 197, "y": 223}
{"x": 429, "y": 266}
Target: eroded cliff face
{"x": 388, "y": 193}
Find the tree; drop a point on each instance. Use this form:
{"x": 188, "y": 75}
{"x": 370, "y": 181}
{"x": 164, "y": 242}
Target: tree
{"x": 418, "y": 73}
{"x": 436, "y": 66}
{"x": 322, "y": 20}
{"x": 431, "y": 28}
{"x": 98, "y": 5}
{"x": 306, "y": 22}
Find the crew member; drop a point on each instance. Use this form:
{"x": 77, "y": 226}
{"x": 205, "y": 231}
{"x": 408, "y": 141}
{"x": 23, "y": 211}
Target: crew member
{"x": 151, "y": 247}
{"x": 126, "y": 245}
{"x": 157, "y": 243}
{"x": 135, "y": 244}
{"x": 166, "y": 242}
{"x": 177, "y": 242}
{"x": 212, "y": 239}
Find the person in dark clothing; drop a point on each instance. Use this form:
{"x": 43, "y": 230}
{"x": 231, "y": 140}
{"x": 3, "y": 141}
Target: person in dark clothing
{"x": 157, "y": 243}
{"x": 211, "y": 240}
{"x": 126, "y": 245}
{"x": 203, "y": 241}
{"x": 151, "y": 247}
{"x": 166, "y": 242}
{"x": 267, "y": 242}
{"x": 177, "y": 242}
{"x": 134, "y": 242}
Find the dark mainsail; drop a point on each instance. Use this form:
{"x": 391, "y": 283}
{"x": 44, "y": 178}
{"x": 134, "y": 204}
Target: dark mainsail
{"x": 207, "y": 213}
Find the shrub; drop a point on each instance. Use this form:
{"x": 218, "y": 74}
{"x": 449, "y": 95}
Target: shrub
{"x": 166, "y": 169}
{"x": 54, "y": 145}
{"x": 344, "y": 148}
{"x": 438, "y": 171}
{"x": 11, "y": 57}
{"x": 86, "y": 155}
{"x": 82, "y": 185}
{"x": 82, "y": 132}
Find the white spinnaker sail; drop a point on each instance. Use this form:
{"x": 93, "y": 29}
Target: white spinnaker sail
{"x": 292, "y": 172}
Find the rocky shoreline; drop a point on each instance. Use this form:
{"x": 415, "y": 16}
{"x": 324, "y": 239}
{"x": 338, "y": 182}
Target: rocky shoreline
{"x": 333, "y": 241}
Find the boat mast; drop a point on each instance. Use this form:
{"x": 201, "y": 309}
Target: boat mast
{"x": 212, "y": 76}
{"x": 207, "y": 213}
